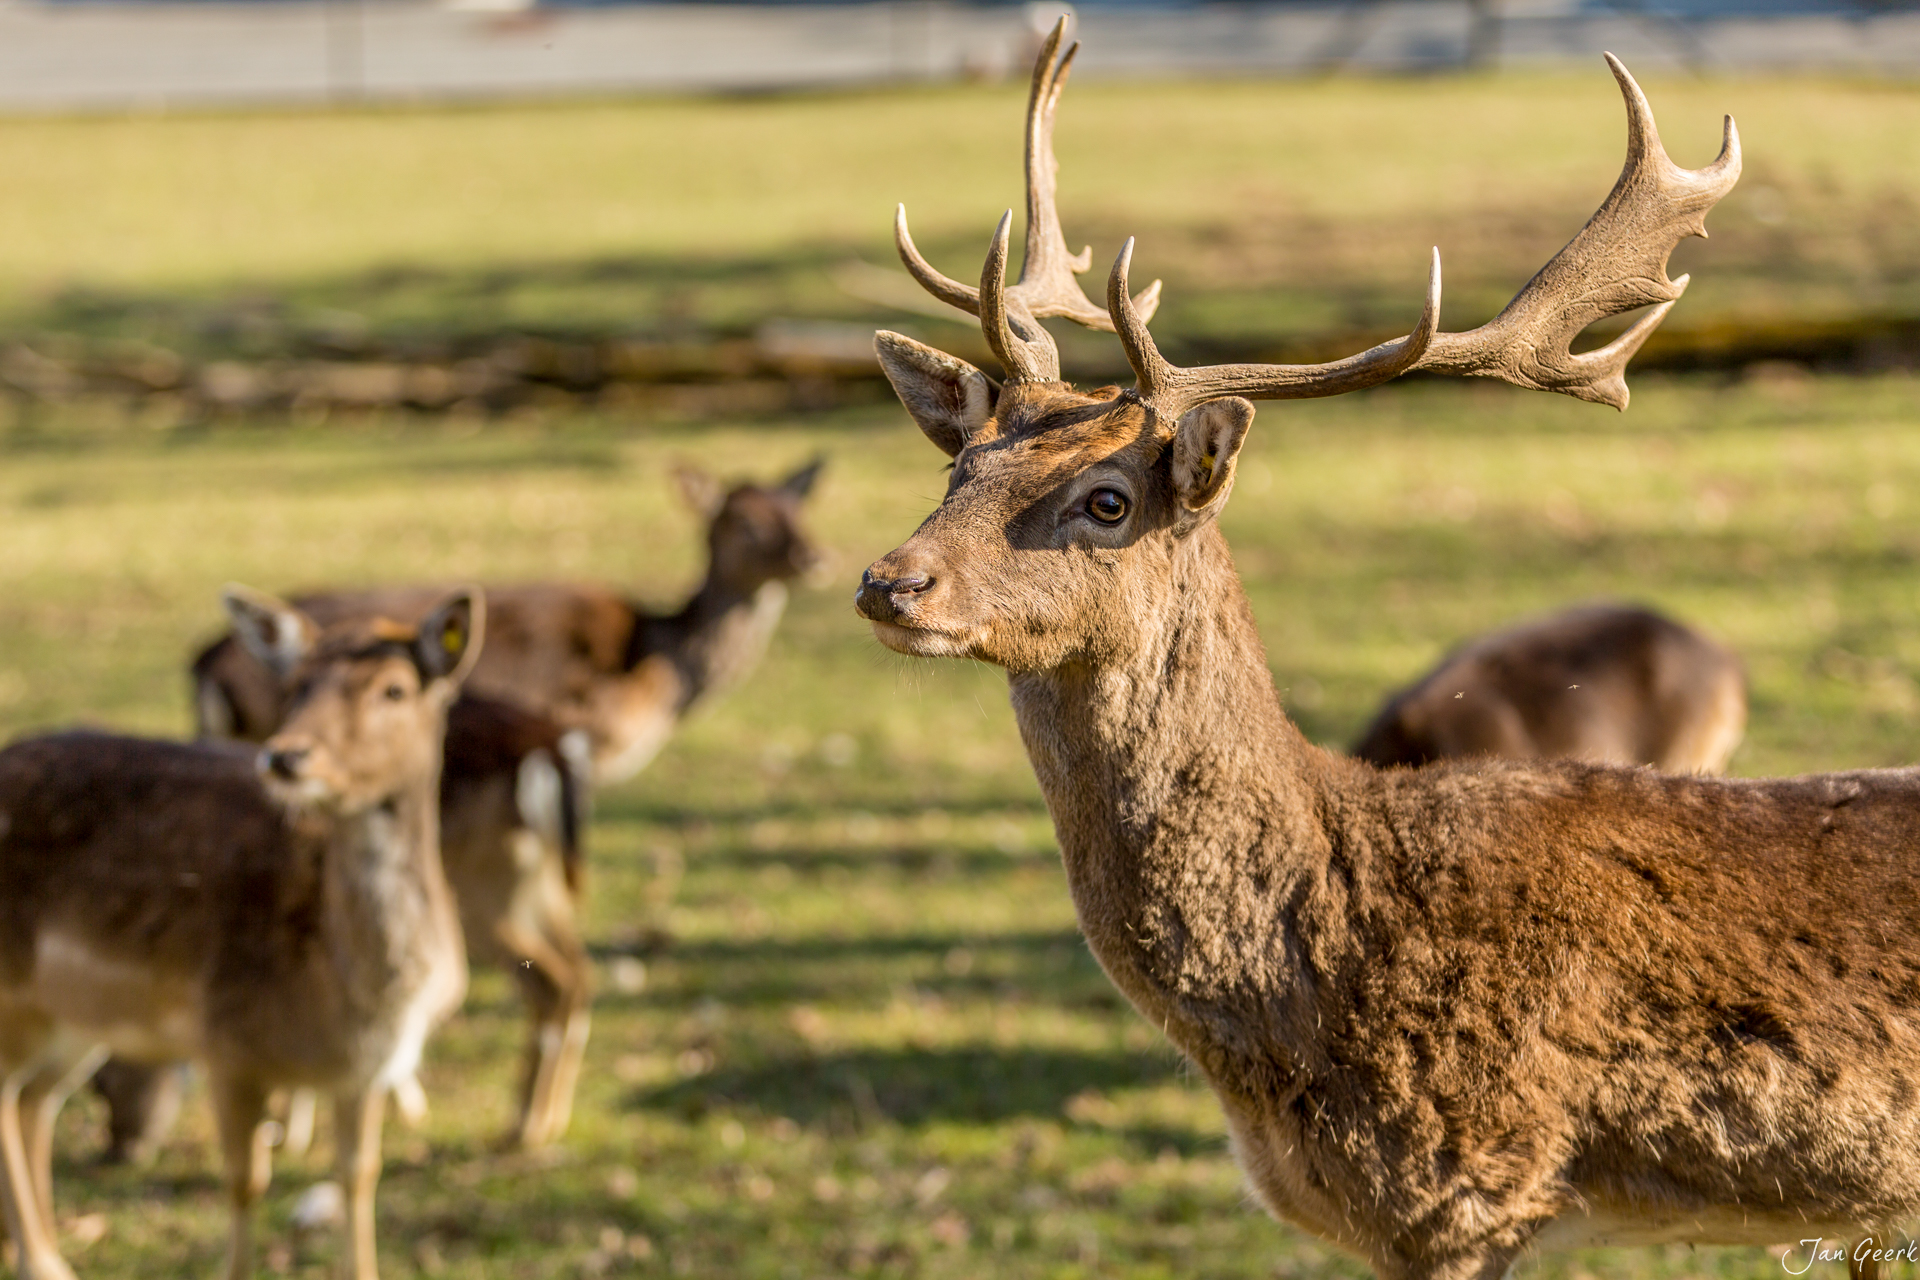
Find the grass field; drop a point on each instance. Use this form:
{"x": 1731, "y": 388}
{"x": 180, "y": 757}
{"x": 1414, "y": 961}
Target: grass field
{"x": 1274, "y": 209}
{"x": 847, "y": 1025}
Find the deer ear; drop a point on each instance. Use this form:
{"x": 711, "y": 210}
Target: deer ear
{"x": 272, "y": 630}
{"x": 948, "y": 398}
{"x": 449, "y": 641}
{"x": 1205, "y": 444}
{"x": 800, "y": 483}
{"x": 699, "y": 490}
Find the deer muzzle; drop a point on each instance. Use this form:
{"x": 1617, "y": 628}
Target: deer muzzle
{"x": 297, "y": 771}
{"x": 890, "y": 593}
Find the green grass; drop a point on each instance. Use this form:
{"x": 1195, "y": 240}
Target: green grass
{"x": 870, "y": 1040}
{"x": 1273, "y": 208}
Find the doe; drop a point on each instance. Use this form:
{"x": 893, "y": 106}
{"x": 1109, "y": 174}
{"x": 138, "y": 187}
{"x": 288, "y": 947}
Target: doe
{"x": 1610, "y": 683}
{"x": 279, "y": 914}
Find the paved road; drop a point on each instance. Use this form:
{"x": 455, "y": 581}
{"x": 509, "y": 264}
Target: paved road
{"x": 109, "y": 56}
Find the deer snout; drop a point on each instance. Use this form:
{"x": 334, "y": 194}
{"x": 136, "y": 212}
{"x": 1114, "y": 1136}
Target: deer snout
{"x": 887, "y": 592}
{"x": 283, "y": 763}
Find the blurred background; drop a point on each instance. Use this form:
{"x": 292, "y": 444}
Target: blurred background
{"x": 311, "y": 293}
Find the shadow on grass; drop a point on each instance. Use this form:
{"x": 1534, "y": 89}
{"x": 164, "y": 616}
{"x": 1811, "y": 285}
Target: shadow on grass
{"x": 634, "y": 802}
{"x": 414, "y": 306}
{"x": 913, "y": 1086}
{"x": 944, "y": 862}
{"x": 1054, "y": 968}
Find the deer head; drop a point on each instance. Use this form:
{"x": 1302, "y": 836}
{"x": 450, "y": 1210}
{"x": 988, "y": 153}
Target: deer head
{"x": 755, "y": 533}
{"x": 367, "y": 703}
{"x": 1068, "y": 514}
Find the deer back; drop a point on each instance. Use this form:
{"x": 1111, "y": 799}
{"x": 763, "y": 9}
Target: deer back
{"x": 1603, "y": 683}
{"x": 125, "y": 854}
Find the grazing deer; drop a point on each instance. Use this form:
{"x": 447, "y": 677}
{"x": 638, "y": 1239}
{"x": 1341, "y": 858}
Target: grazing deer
{"x": 1606, "y": 683}
{"x": 279, "y": 913}
{"x": 1455, "y": 1013}
{"x": 585, "y": 655}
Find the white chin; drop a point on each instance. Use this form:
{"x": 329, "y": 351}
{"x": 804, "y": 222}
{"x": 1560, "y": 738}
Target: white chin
{"x": 307, "y": 793}
{"x": 919, "y": 643}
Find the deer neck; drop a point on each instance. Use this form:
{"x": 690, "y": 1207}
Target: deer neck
{"x": 1185, "y": 803}
{"x": 392, "y": 927}
{"x": 717, "y": 638}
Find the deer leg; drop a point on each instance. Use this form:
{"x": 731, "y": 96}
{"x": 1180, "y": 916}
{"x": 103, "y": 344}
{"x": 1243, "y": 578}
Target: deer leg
{"x": 143, "y": 1101}
{"x": 551, "y": 967}
{"x": 1861, "y": 1265}
{"x": 410, "y": 1100}
{"x": 240, "y": 1107}
{"x": 356, "y": 1118}
{"x": 1488, "y": 1262}
{"x": 296, "y": 1135}
{"x": 37, "y": 1254}
{"x": 566, "y": 1069}
{"x": 41, "y": 1096}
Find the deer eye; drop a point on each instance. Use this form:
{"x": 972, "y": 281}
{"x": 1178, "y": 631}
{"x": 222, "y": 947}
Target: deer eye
{"x": 396, "y": 691}
{"x": 1108, "y": 506}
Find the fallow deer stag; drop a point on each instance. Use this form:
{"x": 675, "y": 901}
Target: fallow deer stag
{"x": 584, "y": 655}
{"x": 1607, "y": 683}
{"x": 1454, "y": 1013}
{"x": 278, "y": 913}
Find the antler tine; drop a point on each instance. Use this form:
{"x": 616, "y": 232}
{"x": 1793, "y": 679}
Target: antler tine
{"x": 1152, "y": 375}
{"x": 948, "y": 290}
{"x": 1617, "y": 263}
{"x": 1018, "y": 341}
{"x": 1046, "y": 286}
{"x": 1171, "y": 390}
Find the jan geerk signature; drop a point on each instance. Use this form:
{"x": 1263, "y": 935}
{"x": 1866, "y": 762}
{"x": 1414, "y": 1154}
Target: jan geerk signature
{"x": 1799, "y": 1261}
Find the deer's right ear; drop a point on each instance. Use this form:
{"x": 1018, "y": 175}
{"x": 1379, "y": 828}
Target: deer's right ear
{"x": 272, "y": 630}
{"x": 948, "y": 398}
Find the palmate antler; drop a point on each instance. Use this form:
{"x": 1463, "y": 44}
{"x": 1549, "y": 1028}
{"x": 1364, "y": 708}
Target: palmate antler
{"x": 1617, "y": 263}
{"x": 1046, "y": 286}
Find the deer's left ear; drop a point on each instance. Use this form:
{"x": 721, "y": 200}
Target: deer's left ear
{"x": 1205, "y": 443}
{"x": 449, "y": 641}
{"x": 800, "y": 483}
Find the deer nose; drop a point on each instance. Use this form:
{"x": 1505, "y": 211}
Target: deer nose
{"x": 884, "y": 595}
{"x": 284, "y": 762}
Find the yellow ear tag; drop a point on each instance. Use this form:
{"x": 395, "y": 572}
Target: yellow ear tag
{"x": 450, "y": 638}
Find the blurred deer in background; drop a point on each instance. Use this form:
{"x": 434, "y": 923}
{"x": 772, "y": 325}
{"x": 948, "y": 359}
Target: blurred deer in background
{"x": 586, "y": 656}
{"x": 569, "y": 672}
{"x": 513, "y": 815}
{"x": 1606, "y": 683}
{"x": 278, "y": 914}
{"x": 515, "y": 790}
{"x": 563, "y": 663}
{"x": 1452, "y": 1014}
